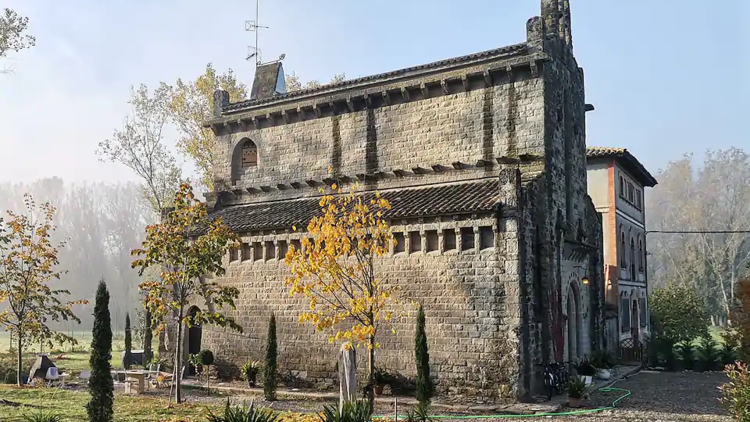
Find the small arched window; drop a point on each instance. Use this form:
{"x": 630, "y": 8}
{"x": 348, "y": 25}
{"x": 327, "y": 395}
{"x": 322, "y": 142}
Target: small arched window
{"x": 641, "y": 254}
{"x": 623, "y": 253}
{"x": 632, "y": 258}
{"x": 249, "y": 154}
{"x": 622, "y": 187}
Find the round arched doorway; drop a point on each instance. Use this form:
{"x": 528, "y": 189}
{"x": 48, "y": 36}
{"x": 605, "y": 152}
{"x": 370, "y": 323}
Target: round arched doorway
{"x": 575, "y": 321}
{"x": 194, "y": 334}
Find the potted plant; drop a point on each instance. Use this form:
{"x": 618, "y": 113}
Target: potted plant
{"x": 195, "y": 360}
{"x": 576, "y": 388}
{"x": 586, "y": 370}
{"x": 381, "y": 379}
{"x": 602, "y": 360}
{"x": 250, "y": 372}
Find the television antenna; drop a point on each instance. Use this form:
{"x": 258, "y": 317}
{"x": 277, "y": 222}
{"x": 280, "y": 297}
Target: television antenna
{"x": 253, "y": 26}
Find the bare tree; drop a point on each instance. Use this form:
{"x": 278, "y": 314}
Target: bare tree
{"x": 12, "y": 37}
{"x": 293, "y": 82}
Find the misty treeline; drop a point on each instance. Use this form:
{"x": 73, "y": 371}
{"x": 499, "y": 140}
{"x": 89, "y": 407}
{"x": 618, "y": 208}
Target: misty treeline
{"x": 712, "y": 195}
{"x": 101, "y": 224}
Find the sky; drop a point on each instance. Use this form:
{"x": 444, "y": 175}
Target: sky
{"x": 667, "y": 77}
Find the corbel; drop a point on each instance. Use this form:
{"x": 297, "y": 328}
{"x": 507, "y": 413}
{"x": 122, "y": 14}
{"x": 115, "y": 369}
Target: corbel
{"x": 311, "y": 183}
{"x": 285, "y": 116}
{"x": 296, "y": 185}
{"x": 350, "y": 103}
{"x": 332, "y": 106}
{"x": 270, "y": 119}
{"x": 399, "y": 173}
{"x": 362, "y": 177}
{"x": 487, "y": 78}
{"x": 418, "y": 170}
{"x": 529, "y": 157}
{"x": 228, "y": 127}
{"x": 316, "y": 110}
{"x": 423, "y": 88}
{"x": 509, "y": 71}
{"x": 386, "y": 98}
{"x": 345, "y": 179}
{"x": 444, "y": 85}
{"x": 241, "y": 124}
{"x": 534, "y": 69}
{"x": 237, "y": 192}
{"x": 405, "y": 93}
{"x": 483, "y": 163}
{"x": 457, "y": 165}
{"x": 265, "y": 189}
{"x": 256, "y": 123}
{"x": 367, "y": 99}
{"x": 329, "y": 181}
{"x": 281, "y": 186}
{"x": 437, "y": 168}
{"x": 251, "y": 189}
{"x": 465, "y": 82}
{"x": 301, "y": 113}
{"x": 380, "y": 175}
{"x": 506, "y": 160}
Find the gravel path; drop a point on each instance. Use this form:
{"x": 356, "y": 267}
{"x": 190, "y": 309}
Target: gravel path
{"x": 655, "y": 396}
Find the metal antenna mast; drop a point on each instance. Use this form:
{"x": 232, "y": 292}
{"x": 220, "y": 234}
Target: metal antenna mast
{"x": 252, "y": 26}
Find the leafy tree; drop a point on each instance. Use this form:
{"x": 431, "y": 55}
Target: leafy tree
{"x": 28, "y": 263}
{"x": 422, "y": 354}
{"x": 293, "y": 83}
{"x": 190, "y": 104}
{"x": 12, "y": 37}
{"x": 270, "y": 370}
{"x": 128, "y": 359}
{"x": 101, "y": 386}
{"x": 139, "y": 145}
{"x": 187, "y": 247}
{"x": 737, "y": 337}
{"x": 679, "y": 313}
{"x": 335, "y": 270}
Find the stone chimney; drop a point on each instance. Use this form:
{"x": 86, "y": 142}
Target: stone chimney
{"x": 269, "y": 81}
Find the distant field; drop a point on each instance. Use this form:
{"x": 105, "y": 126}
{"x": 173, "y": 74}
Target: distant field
{"x": 83, "y": 338}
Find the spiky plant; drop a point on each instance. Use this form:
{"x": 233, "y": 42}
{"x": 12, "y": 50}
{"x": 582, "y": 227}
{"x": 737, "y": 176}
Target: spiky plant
{"x": 352, "y": 411}
{"x": 243, "y": 414}
{"x": 40, "y": 416}
{"x": 709, "y": 352}
{"x": 687, "y": 354}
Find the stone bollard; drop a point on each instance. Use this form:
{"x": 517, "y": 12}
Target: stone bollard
{"x": 347, "y": 376}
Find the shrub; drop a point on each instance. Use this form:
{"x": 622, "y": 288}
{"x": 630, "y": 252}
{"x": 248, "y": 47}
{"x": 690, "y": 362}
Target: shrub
{"x": 270, "y": 373}
{"x": 709, "y": 351}
{"x": 735, "y": 394}
{"x": 422, "y": 355}
{"x": 576, "y": 387}
{"x": 101, "y": 386}
{"x": 686, "y": 351}
{"x": 602, "y": 359}
{"x": 421, "y": 413}
{"x": 679, "y": 313}
{"x": 206, "y": 357}
{"x": 585, "y": 367}
{"x": 728, "y": 354}
{"x": 352, "y": 411}
{"x": 739, "y": 334}
{"x": 40, "y": 416}
{"x": 243, "y": 414}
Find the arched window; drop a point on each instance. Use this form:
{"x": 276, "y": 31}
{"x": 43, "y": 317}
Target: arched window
{"x": 641, "y": 255}
{"x": 622, "y": 187}
{"x": 632, "y": 258}
{"x": 249, "y": 154}
{"x": 245, "y": 156}
{"x": 623, "y": 253}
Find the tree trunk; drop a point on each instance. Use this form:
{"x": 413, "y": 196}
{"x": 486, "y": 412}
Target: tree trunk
{"x": 176, "y": 380}
{"x": 148, "y": 335}
{"x": 19, "y": 366}
{"x": 371, "y": 371}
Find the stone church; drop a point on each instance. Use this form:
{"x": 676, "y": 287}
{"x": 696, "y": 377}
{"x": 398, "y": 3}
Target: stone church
{"x": 483, "y": 159}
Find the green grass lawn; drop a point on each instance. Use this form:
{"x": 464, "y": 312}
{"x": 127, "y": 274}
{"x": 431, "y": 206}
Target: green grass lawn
{"x": 71, "y": 406}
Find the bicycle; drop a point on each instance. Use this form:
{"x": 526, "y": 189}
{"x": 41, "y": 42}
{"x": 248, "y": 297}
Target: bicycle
{"x": 555, "y": 378}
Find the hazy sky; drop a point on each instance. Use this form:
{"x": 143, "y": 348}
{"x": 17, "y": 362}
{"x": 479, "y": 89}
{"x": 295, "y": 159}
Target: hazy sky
{"x": 666, "y": 76}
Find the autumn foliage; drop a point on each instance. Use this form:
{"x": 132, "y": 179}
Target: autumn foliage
{"x": 335, "y": 271}
{"x": 187, "y": 247}
{"x": 28, "y": 270}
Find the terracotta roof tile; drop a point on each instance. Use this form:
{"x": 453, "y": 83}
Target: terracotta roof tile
{"x": 627, "y": 159}
{"x": 415, "y": 202}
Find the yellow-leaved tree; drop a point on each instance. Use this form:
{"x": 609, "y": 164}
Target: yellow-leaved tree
{"x": 29, "y": 300}
{"x": 335, "y": 270}
{"x": 190, "y": 104}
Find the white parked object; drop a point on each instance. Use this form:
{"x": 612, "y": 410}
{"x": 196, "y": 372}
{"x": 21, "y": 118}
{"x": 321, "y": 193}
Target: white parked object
{"x": 603, "y": 374}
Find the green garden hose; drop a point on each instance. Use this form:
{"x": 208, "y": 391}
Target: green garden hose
{"x": 534, "y": 415}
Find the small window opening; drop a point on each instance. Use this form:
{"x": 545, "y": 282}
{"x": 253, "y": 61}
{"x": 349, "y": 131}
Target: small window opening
{"x": 467, "y": 238}
{"x": 283, "y": 249}
{"x": 432, "y": 240}
{"x": 257, "y": 251}
{"x": 400, "y": 243}
{"x": 449, "y": 239}
{"x": 486, "y": 238}
{"x": 270, "y": 250}
{"x": 415, "y": 242}
{"x": 247, "y": 253}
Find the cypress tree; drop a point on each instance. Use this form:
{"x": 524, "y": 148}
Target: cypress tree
{"x": 424, "y": 382}
{"x": 128, "y": 359}
{"x": 101, "y": 386}
{"x": 269, "y": 372}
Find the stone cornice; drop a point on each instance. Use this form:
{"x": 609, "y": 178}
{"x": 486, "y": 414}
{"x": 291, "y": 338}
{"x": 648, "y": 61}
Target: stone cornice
{"x": 378, "y": 93}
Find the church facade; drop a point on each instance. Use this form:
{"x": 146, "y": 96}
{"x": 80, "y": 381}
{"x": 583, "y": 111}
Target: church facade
{"x": 483, "y": 159}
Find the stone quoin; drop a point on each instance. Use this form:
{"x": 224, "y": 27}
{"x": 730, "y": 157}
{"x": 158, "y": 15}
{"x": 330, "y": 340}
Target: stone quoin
{"x": 483, "y": 158}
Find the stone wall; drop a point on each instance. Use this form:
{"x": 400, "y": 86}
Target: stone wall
{"x": 470, "y": 299}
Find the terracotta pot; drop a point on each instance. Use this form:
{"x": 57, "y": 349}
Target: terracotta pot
{"x": 378, "y": 390}
{"x": 574, "y": 403}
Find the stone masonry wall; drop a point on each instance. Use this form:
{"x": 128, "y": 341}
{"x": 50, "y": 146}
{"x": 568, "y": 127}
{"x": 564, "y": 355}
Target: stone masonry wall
{"x": 470, "y": 299}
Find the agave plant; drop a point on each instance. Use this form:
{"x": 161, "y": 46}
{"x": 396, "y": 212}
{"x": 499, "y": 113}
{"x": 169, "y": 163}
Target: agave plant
{"x": 243, "y": 414}
{"x": 353, "y": 411}
{"x": 420, "y": 414}
{"x": 40, "y": 416}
